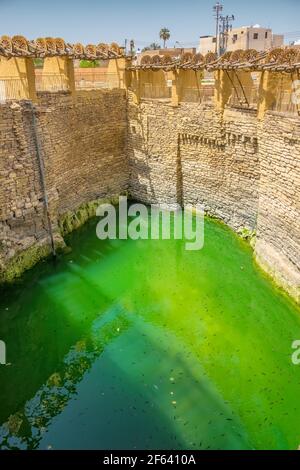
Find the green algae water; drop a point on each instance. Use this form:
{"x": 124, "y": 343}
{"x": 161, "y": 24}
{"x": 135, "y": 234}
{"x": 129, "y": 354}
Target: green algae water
{"x": 144, "y": 345}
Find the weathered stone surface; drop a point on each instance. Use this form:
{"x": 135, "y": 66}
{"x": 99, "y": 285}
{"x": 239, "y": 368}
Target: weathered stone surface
{"x": 84, "y": 153}
{"x": 194, "y": 154}
{"x": 278, "y": 220}
{"x": 246, "y": 172}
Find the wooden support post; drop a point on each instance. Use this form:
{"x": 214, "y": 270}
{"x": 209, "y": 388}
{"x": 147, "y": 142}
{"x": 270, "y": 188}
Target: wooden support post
{"x": 174, "y": 75}
{"x": 116, "y": 73}
{"x": 128, "y": 76}
{"x": 245, "y": 85}
{"x": 223, "y": 88}
{"x": 136, "y": 86}
{"x": 273, "y": 87}
{"x": 266, "y": 96}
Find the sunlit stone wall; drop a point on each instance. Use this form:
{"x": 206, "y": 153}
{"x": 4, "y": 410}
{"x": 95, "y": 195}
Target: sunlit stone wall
{"x": 244, "y": 171}
{"x": 195, "y": 154}
{"x": 99, "y": 144}
{"x": 278, "y": 222}
{"x": 83, "y": 145}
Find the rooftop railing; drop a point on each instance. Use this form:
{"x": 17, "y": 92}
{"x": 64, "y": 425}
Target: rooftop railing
{"x": 203, "y": 94}
{"x": 242, "y": 97}
{"x": 246, "y": 97}
{"x": 12, "y": 89}
{"x": 155, "y": 91}
{"x": 90, "y": 79}
{"x": 51, "y": 83}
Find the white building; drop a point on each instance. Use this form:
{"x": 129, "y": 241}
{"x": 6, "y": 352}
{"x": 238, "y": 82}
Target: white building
{"x": 245, "y": 37}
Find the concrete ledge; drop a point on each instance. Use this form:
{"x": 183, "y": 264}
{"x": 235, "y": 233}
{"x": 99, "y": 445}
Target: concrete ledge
{"x": 72, "y": 220}
{"x": 282, "y": 271}
{"x": 26, "y": 259}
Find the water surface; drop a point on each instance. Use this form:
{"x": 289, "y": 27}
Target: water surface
{"x": 144, "y": 345}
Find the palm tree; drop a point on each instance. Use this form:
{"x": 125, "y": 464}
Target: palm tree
{"x": 164, "y": 34}
{"x": 152, "y": 47}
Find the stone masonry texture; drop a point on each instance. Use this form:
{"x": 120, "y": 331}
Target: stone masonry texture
{"x": 84, "y": 152}
{"x": 244, "y": 171}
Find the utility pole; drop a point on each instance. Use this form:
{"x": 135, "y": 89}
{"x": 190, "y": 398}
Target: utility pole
{"x": 218, "y": 8}
{"x": 225, "y": 27}
{"x": 132, "y": 46}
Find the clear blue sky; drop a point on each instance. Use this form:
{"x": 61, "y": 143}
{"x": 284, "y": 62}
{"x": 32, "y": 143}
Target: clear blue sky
{"x": 94, "y": 21}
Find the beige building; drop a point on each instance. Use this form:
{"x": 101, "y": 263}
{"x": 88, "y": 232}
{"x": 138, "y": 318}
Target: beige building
{"x": 207, "y": 44}
{"x": 245, "y": 37}
{"x": 253, "y": 37}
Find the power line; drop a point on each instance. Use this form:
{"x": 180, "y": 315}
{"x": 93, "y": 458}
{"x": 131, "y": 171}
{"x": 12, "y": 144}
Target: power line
{"x": 225, "y": 27}
{"x": 218, "y": 8}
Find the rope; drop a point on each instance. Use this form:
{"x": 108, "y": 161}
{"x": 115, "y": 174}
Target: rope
{"x": 232, "y": 83}
{"x": 241, "y": 85}
{"x": 198, "y": 88}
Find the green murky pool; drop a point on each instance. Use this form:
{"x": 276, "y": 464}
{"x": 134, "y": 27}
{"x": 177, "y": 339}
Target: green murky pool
{"x": 142, "y": 344}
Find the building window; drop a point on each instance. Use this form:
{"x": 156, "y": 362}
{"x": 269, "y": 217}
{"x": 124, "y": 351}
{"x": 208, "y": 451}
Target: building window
{"x": 235, "y": 36}
{"x": 255, "y": 36}
{"x": 214, "y": 40}
{"x": 266, "y": 35}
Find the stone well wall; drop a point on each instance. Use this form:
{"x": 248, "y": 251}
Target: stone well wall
{"x": 278, "y": 223}
{"x": 195, "y": 154}
{"x": 244, "y": 171}
{"x": 83, "y": 147}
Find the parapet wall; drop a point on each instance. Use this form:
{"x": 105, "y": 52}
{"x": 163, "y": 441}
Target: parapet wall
{"x": 244, "y": 171}
{"x": 83, "y": 147}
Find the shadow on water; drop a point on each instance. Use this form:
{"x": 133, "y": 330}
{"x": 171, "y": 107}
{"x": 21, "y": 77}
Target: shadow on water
{"x": 24, "y": 429}
{"x": 156, "y": 400}
{"x": 41, "y": 316}
{"x": 102, "y": 395}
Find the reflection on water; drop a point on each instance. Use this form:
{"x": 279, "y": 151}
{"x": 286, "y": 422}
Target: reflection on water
{"x": 142, "y": 344}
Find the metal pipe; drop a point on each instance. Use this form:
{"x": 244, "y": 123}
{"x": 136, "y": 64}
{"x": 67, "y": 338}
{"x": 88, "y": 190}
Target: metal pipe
{"x": 37, "y": 143}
